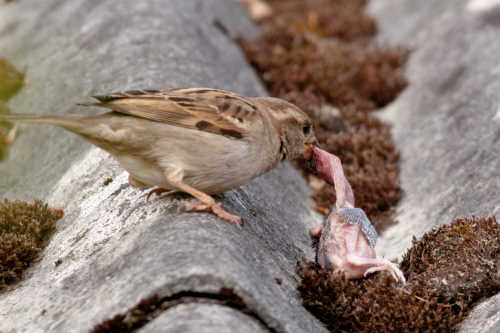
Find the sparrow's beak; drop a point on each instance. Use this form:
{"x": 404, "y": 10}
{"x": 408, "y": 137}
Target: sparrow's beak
{"x": 308, "y": 149}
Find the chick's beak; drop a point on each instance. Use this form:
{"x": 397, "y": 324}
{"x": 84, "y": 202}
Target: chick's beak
{"x": 308, "y": 148}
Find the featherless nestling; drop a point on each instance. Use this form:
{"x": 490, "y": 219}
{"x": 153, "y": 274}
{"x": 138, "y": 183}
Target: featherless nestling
{"x": 197, "y": 140}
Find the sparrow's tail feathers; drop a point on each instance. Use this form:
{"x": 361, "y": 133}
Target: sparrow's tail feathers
{"x": 67, "y": 121}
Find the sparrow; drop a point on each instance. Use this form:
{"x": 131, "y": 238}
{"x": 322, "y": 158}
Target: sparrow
{"x": 347, "y": 239}
{"x": 196, "y": 140}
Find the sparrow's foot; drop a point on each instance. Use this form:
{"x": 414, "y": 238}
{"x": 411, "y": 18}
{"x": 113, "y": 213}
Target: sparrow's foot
{"x": 158, "y": 191}
{"x": 386, "y": 265}
{"x": 207, "y": 202}
{"x": 216, "y": 209}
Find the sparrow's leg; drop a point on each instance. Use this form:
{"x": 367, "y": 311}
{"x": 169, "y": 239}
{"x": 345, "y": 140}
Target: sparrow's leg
{"x": 134, "y": 182}
{"x": 207, "y": 202}
{"x": 378, "y": 264}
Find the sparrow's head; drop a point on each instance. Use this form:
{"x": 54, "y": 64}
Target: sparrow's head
{"x": 294, "y": 126}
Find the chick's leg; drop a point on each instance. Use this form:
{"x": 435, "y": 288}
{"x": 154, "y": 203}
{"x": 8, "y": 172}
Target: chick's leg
{"x": 378, "y": 264}
{"x": 207, "y": 202}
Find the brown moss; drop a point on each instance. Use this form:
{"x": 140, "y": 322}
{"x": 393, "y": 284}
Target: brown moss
{"x": 135, "y": 318}
{"x": 460, "y": 260}
{"x": 24, "y": 231}
{"x": 341, "y": 19}
{"x": 316, "y": 53}
{"x": 150, "y": 308}
{"x": 449, "y": 270}
{"x": 309, "y": 71}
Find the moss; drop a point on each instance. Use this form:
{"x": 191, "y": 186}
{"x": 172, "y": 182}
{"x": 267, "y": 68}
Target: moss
{"x": 24, "y": 231}
{"x": 460, "y": 260}
{"x": 150, "y": 308}
{"x": 340, "y": 19}
{"x": 135, "y": 318}
{"x": 11, "y": 80}
{"x": 309, "y": 71}
{"x": 319, "y": 54}
{"x": 449, "y": 270}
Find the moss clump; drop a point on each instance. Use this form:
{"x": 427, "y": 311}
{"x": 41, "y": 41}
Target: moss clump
{"x": 309, "y": 71}
{"x": 313, "y": 52}
{"x": 150, "y": 308}
{"x": 136, "y": 317}
{"x": 24, "y": 231}
{"x": 461, "y": 260}
{"x": 319, "y": 54}
{"x": 341, "y": 19}
{"x": 449, "y": 270}
{"x": 11, "y": 80}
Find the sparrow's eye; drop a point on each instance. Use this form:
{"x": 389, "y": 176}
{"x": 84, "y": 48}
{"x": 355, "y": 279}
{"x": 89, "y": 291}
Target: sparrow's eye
{"x": 306, "y": 128}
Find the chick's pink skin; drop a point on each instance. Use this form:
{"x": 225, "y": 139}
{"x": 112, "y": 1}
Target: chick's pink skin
{"x": 347, "y": 238}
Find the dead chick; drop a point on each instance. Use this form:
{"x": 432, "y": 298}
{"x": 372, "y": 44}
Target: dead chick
{"x": 196, "y": 140}
{"x": 347, "y": 240}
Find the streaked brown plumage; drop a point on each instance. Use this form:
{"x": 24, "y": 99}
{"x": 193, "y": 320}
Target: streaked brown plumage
{"x": 196, "y": 140}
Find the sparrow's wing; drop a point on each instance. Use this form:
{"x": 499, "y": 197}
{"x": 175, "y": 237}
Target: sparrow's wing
{"x": 210, "y": 110}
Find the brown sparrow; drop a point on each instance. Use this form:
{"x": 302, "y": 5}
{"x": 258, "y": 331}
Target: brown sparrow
{"x": 196, "y": 140}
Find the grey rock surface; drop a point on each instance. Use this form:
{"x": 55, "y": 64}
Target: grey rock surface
{"x": 447, "y": 122}
{"x": 485, "y": 318}
{"x": 203, "y": 318}
{"x": 116, "y": 248}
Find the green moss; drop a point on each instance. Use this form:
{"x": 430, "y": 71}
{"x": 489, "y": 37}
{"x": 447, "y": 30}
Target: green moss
{"x": 24, "y": 231}
{"x": 449, "y": 270}
{"x": 11, "y": 80}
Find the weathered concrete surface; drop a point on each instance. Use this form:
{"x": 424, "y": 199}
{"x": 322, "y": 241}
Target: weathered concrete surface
{"x": 115, "y": 248}
{"x": 447, "y": 122}
{"x": 203, "y": 318}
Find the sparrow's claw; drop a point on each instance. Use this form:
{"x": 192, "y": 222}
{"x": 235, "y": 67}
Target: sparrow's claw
{"x": 215, "y": 208}
{"x": 158, "y": 191}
